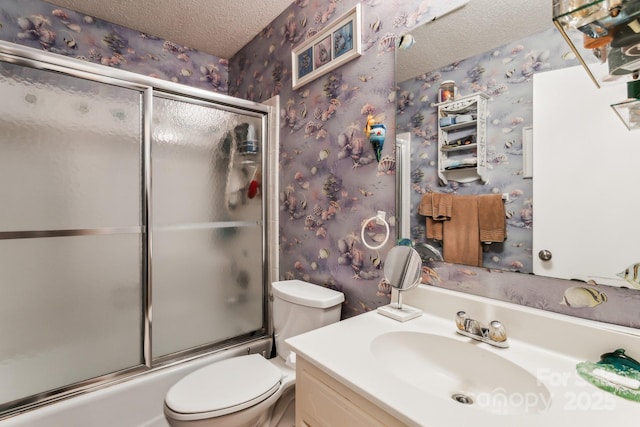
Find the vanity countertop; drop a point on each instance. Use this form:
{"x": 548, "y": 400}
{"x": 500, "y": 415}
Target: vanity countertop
{"x": 545, "y": 346}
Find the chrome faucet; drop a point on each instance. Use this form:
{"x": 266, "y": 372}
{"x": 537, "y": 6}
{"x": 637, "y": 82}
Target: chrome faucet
{"x": 495, "y": 334}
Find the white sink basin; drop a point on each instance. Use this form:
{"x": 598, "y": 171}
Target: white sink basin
{"x": 467, "y": 372}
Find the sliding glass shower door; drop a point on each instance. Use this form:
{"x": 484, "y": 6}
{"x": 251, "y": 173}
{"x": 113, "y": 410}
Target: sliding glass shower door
{"x": 70, "y": 230}
{"x": 131, "y": 227}
{"x": 207, "y": 229}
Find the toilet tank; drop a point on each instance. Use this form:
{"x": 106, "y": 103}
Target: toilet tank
{"x": 299, "y": 307}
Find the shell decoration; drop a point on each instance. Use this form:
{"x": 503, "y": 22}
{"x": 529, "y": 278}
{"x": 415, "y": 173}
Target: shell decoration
{"x": 387, "y": 165}
{"x": 631, "y": 275}
{"x": 581, "y": 297}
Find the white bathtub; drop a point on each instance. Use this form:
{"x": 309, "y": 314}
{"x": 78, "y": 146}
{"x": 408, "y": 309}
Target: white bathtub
{"x": 137, "y": 402}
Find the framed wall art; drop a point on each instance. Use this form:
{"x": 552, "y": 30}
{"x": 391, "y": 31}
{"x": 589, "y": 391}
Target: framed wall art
{"x": 327, "y": 50}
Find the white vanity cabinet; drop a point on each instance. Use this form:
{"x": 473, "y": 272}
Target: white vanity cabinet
{"x": 321, "y": 401}
{"x": 462, "y": 139}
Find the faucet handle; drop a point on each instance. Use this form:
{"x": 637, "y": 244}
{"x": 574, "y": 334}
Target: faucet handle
{"x": 461, "y": 317}
{"x": 497, "y": 332}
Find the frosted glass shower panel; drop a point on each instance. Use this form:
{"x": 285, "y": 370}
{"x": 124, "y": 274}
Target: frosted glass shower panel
{"x": 202, "y": 169}
{"x": 207, "y": 265}
{"x": 76, "y": 302}
{"x": 73, "y": 145}
{"x": 207, "y": 286}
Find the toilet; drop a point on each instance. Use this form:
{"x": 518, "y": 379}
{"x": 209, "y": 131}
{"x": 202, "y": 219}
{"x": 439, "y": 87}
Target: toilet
{"x": 251, "y": 391}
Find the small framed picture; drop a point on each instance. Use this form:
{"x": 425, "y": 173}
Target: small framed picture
{"x": 305, "y": 62}
{"x": 335, "y": 45}
{"x": 343, "y": 39}
{"x": 322, "y": 52}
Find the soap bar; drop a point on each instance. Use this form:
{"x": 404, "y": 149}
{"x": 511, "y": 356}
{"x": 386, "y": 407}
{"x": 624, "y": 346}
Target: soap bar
{"x": 616, "y": 379}
{"x": 624, "y": 383}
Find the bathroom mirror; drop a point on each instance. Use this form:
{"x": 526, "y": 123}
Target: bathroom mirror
{"x": 402, "y": 267}
{"x": 493, "y": 47}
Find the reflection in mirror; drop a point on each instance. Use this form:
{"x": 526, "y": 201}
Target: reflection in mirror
{"x": 582, "y": 189}
{"x": 516, "y": 48}
{"x": 523, "y": 48}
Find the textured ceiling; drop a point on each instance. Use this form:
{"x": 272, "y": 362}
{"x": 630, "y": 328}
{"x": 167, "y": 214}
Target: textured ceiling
{"x": 217, "y": 27}
{"x": 479, "y": 26}
{"x": 222, "y": 27}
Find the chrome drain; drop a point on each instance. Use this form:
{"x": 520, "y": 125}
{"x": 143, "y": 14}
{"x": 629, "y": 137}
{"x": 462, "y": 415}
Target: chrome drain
{"x": 462, "y": 398}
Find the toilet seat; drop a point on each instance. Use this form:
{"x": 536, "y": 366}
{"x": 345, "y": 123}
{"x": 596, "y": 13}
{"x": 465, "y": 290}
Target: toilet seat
{"x": 224, "y": 387}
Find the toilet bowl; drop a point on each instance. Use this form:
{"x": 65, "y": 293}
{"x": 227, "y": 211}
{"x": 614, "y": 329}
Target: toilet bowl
{"x": 251, "y": 391}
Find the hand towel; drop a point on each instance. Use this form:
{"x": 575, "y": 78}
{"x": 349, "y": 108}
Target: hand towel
{"x": 426, "y": 205}
{"x": 491, "y": 218}
{"x": 437, "y": 208}
{"x": 460, "y": 242}
{"x": 442, "y": 206}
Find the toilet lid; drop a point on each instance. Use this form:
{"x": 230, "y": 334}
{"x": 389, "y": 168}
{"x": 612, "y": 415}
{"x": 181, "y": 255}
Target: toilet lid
{"x": 226, "y": 386}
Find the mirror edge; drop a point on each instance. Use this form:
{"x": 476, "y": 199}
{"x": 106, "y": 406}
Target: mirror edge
{"x": 403, "y": 185}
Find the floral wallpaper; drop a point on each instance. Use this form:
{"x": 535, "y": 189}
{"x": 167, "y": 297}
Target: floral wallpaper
{"x": 41, "y": 25}
{"x": 330, "y": 180}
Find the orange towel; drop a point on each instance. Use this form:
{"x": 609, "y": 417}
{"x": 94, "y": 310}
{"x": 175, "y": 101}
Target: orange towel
{"x": 463, "y": 223}
{"x": 433, "y": 228}
{"x": 426, "y": 205}
{"x": 442, "y": 206}
{"x": 460, "y": 242}
{"x": 491, "y": 218}
{"x": 437, "y": 208}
